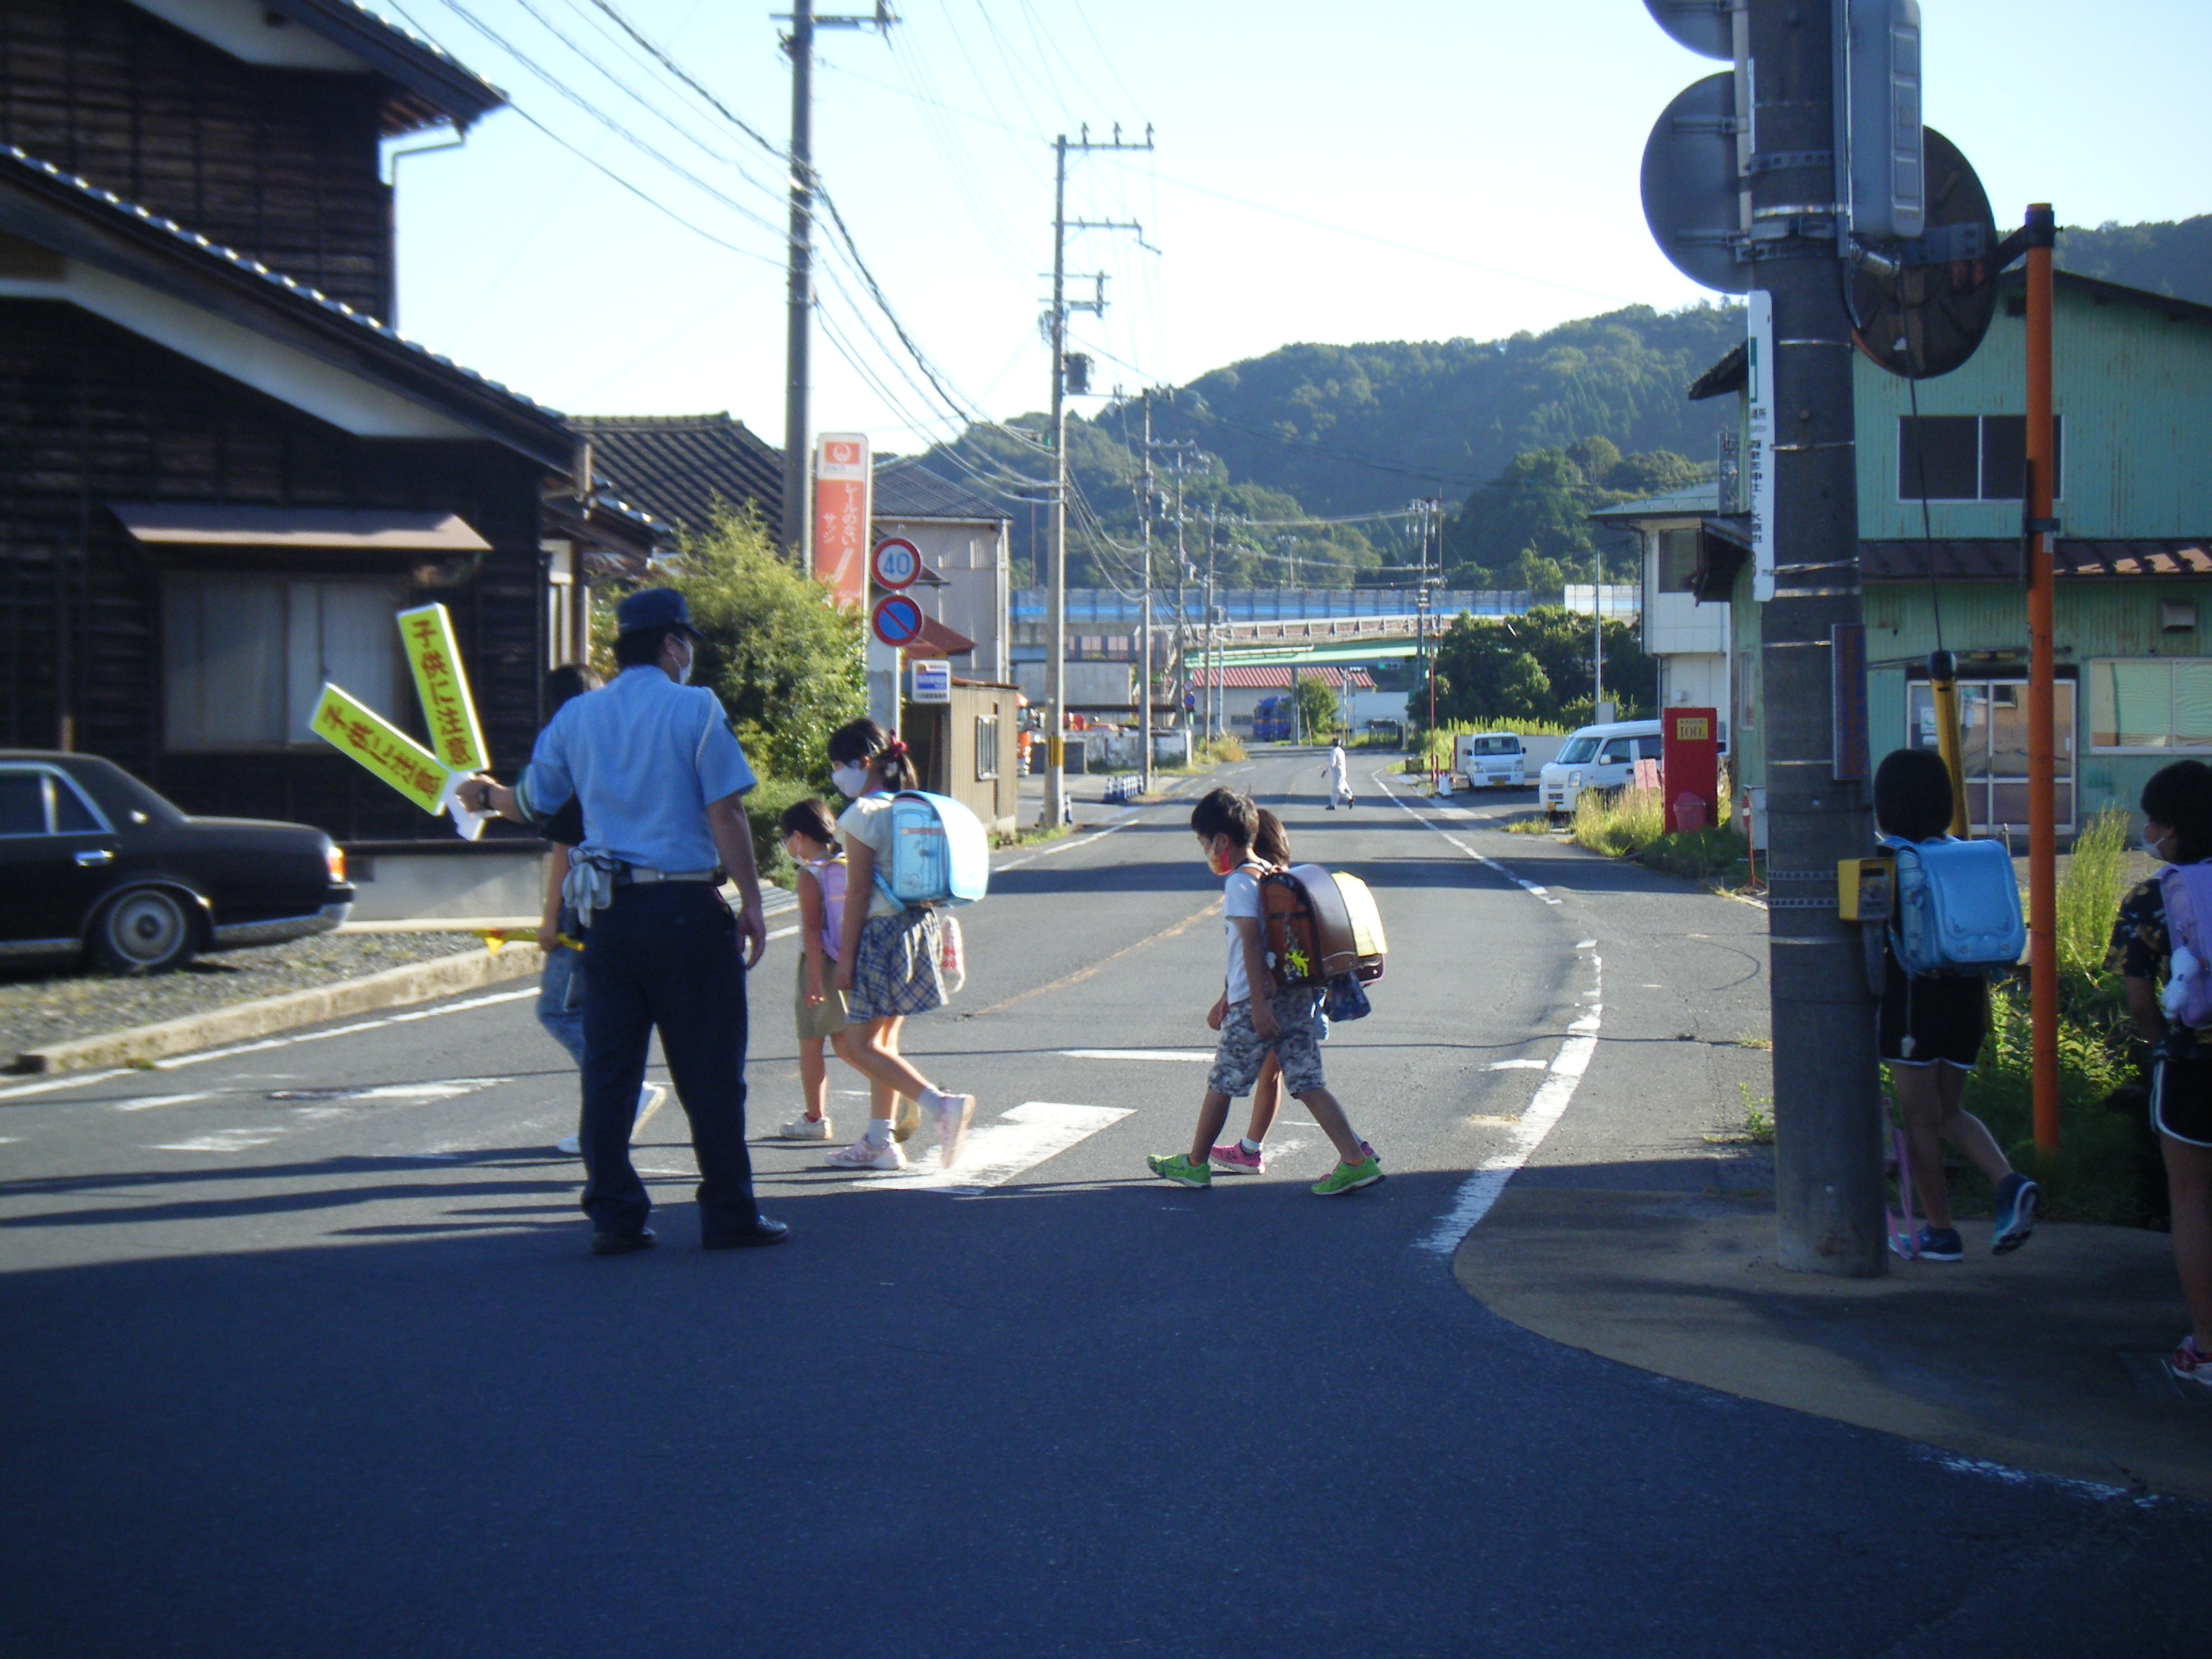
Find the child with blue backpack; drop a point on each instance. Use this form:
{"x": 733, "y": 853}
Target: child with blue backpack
{"x": 1931, "y": 1027}
{"x": 2165, "y": 931}
{"x": 889, "y": 964}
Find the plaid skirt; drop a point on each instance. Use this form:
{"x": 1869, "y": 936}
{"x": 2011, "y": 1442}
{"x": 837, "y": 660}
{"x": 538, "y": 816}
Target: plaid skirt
{"x": 895, "y": 972}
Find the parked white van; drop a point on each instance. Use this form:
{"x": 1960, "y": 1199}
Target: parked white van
{"x": 1491, "y": 760}
{"x": 1597, "y": 757}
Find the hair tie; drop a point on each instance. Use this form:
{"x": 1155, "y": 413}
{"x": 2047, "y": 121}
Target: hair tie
{"x": 895, "y": 750}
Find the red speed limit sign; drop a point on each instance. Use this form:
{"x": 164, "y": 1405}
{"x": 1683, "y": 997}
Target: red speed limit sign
{"x": 896, "y": 563}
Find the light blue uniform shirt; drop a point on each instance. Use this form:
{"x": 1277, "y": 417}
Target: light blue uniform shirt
{"x": 643, "y": 757}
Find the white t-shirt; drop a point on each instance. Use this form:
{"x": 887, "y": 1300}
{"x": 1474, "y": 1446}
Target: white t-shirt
{"x": 1240, "y": 898}
{"x": 1336, "y": 762}
{"x": 868, "y": 821}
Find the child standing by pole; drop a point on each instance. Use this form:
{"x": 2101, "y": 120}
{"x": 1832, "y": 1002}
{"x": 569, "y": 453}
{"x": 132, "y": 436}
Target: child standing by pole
{"x": 810, "y": 839}
{"x": 1257, "y": 1020}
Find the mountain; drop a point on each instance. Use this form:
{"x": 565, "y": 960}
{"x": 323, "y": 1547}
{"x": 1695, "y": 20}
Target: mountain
{"x": 1361, "y": 428}
{"x": 2174, "y": 258}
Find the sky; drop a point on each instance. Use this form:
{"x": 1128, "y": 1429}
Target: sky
{"x": 1430, "y": 170}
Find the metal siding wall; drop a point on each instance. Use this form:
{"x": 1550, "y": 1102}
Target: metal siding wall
{"x": 2134, "y": 401}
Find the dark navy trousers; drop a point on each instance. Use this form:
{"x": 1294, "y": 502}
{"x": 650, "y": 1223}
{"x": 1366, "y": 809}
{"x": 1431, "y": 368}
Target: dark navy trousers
{"x": 665, "y": 955}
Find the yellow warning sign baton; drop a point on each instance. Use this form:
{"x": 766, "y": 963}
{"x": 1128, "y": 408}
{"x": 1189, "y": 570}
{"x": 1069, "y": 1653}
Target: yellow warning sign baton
{"x": 353, "y": 728}
{"x": 433, "y": 655}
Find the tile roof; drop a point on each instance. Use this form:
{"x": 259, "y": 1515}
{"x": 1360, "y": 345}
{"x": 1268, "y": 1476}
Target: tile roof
{"x": 1278, "y": 679}
{"x": 676, "y": 467}
{"x": 936, "y": 639}
{"x": 273, "y": 285}
{"x": 906, "y": 488}
{"x": 1994, "y": 560}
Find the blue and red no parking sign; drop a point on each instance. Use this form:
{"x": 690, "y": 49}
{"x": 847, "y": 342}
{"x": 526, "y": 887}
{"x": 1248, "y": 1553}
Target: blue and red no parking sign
{"x": 897, "y": 620}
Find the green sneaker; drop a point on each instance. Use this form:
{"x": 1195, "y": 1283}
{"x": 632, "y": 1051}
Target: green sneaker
{"x": 1347, "y": 1177}
{"x": 1181, "y": 1170}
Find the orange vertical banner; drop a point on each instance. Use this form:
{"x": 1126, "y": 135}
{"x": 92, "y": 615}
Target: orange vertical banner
{"x": 842, "y": 477}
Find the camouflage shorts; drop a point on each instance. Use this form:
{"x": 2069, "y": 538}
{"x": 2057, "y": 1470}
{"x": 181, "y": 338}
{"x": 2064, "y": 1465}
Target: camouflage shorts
{"x": 1240, "y": 1055}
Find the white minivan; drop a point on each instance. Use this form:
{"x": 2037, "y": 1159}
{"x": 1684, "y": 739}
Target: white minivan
{"x": 1597, "y": 757}
{"x": 1491, "y": 760}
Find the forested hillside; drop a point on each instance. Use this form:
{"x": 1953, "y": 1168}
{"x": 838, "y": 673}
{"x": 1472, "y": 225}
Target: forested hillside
{"x": 2174, "y": 258}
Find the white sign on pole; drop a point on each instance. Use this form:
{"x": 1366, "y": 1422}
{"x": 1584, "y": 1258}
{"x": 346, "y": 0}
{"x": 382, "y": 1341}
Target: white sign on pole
{"x": 933, "y": 680}
{"x": 1759, "y": 437}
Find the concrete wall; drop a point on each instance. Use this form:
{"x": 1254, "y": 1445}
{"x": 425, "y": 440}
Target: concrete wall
{"x": 1099, "y": 685}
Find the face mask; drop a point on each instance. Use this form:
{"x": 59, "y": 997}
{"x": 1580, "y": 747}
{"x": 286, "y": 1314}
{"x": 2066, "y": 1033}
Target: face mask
{"x": 852, "y": 781}
{"x": 1220, "y": 859}
{"x": 2153, "y": 847}
{"x": 683, "y": 674}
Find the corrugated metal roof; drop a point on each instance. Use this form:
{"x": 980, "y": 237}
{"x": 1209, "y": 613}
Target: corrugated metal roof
{"x": 1278, "y": 679}
{"x": 1694, "y": 503}
{"x": 677, "y": 466}
{"x": 905, "y": 489}
{"x": 360, "y": 530}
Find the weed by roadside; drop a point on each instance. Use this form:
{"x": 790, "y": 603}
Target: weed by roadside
{"x": 1031, "y": 833}
{"x": 1433, "y": 750}
{"x": 1753, "y": 1040}
{"x": 1222, "y": 750}
{"x": 1618, "y": 822}
{"x": 1758, "y": 1127}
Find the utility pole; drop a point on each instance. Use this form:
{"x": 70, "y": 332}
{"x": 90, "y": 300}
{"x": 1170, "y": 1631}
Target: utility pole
{"x": 1182, "y": 610}
{"x": 1597, "y": 630}
{"x": 1144, "y": 656}
{"x": 1055, "y": 777}
{"x": 798, "y": 527}
{"x": 1828, "y": 1112}
{"x": 1213, "y": 636}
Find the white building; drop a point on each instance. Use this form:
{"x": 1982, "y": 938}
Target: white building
{"x": 1689, "y": 641}
{"x": 963, "y": 541}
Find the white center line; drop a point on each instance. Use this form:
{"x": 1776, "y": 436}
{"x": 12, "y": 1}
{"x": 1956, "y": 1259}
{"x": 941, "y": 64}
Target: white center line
{"x": 1525, "y": 885}
{"x": 1197, "y": 1056}
{"x": 147, "y": 1102}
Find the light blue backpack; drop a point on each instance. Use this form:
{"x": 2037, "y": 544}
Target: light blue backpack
{"x": 939, "y": 854}
{"x": 1957, "y": 907}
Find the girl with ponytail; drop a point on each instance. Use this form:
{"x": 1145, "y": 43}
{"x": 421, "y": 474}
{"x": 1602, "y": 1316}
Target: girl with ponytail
{"x": 889, "y": 966}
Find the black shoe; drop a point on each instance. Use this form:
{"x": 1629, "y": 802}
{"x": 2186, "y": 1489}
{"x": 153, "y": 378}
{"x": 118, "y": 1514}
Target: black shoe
{"x": 622, "y": 1243}
{"x": 763, "y": 1231}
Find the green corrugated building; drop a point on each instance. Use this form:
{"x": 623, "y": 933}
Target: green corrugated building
{"x": 2132, "y": 374}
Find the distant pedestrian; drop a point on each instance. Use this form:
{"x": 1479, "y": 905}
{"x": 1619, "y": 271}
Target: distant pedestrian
{"x": 1271, "y": 846}
{"x": 1931, "y": 1030}
{"x": 2148, "y": 947}
{"x": 810, "y": 839}
{"x": 662, "y": 781}
{"x": 1340, "y": 777}
{"x": 559, "y": 933}
{"x": 1257, "y": 1020}
{"x": 888, "y": 965}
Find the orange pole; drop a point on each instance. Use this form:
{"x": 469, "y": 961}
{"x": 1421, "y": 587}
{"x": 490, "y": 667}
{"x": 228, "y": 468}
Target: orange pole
{"x": 2042, "y": 816}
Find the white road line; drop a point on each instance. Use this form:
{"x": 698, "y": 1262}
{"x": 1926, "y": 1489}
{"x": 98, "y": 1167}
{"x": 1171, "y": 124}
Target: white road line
{"x": 1060, "y": 846}
{"x": 1526, "y": 886}
{"x": 71, "y": 1080}
{"x": 783, "y": 933}
{"x": 225, "y": 1141}
{"x": 1197, "y": 1056}
{"x": 1516, "y": 1065}
{"x": 1020, "y": 1140}
{"x": 147, "y": 1102}
{"x": 1480, "y": 1189}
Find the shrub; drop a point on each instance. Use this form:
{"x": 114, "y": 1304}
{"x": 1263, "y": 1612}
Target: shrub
{"x": 764, "y": 804}
{"x": 2089, "y": 894}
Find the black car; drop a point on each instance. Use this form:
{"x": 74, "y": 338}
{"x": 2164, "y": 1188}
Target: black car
{"x": 92, "y": 860}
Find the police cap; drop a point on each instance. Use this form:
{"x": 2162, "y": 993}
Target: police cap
{"x": 654, "y": 607}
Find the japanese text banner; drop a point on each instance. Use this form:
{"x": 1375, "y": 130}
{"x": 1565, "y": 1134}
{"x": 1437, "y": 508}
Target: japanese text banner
{"x": 448, "y": 710}
{"x": 355, "y": 729}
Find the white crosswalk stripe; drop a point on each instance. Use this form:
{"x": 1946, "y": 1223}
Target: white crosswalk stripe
{"x": 996, "y": 1152}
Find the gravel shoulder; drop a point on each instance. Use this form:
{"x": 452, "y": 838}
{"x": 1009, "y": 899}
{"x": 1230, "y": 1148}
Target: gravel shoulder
{"x": 37, "y": 1009}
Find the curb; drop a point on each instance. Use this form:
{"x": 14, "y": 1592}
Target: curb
{"x": 419, "y": 981}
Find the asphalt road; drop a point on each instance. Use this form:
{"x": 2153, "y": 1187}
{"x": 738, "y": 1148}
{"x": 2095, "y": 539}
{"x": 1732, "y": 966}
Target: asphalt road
{"x": 304, "y": 1353}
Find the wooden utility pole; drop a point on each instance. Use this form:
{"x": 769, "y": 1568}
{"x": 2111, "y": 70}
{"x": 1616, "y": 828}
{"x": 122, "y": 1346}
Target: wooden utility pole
{"x": 2042, "y": 780}
{"x": 1827, "y": 1108}
{"x": 1144, "y": 648}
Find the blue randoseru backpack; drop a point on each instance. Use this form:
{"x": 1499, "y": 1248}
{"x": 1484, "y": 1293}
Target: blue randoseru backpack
{"x": 939, "y": 854}
{"x": 1957, "y": 907}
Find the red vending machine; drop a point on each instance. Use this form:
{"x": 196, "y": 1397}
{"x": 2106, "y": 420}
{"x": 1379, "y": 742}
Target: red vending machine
{"x": 1691, "y": 768}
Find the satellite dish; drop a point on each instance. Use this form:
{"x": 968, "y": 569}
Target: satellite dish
{"x": 1928, "y": 319}
{"x": 1703, "y": 26}
{"x": 1689, "y": 183}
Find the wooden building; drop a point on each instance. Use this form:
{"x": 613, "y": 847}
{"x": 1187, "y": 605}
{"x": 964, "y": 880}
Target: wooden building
{"x": 220, "y": 473}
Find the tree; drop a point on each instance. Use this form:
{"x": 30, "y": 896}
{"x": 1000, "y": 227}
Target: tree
{"x": 1536, "y": 667}
{"x": 1320, "y": 713}
{"x": 786, "y": 662}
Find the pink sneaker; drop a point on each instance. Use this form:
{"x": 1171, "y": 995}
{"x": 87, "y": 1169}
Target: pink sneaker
{"x": 1234, "y": 1158}
{"x": 2189, "y": 1363}
{"x": 1371, "y": 1151}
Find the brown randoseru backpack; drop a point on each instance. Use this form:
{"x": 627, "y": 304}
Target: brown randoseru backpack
{"x": 1320, "y": 926}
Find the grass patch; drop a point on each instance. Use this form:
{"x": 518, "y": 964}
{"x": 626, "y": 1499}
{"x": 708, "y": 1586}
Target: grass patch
{"x": 1698, "y": 853}
{"x": 1535, "y": 824}
{"x": 1758, "y": 1126}
{"x": 1618, "y": 822}
{"x": 1029, "y": 833}
{"x": 1753, "y": 1040}
{"x": 1433, "y": 750}
{"x": 1222, "y": 750}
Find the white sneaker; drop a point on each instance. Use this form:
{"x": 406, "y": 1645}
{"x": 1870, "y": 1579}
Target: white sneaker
{"x": 571, "y": 1145}
{"x": 865, "y": 1154}
{"x": 954, "y": 1113}
{"x": 906, "y": 1118}
{"x": 804, "y": 1127}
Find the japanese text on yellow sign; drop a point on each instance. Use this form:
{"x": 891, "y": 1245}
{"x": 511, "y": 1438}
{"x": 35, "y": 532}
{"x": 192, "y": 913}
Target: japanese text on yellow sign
{"x": 447, "y": 709}
{"x": 357, "y": 730}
